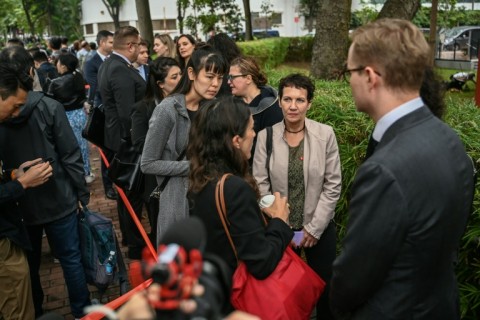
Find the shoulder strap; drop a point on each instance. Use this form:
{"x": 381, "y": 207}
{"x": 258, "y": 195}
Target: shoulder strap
{"x": 165, "y": 181}
{"x": 222, "y": 211}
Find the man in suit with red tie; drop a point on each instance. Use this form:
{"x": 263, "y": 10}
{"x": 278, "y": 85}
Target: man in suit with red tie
{"x": 411, "y": 198}
{"x": 121, "y": 86}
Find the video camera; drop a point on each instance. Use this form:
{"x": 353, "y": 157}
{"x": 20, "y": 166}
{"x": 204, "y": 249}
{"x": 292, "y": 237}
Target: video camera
{"x": 179, "y": 266}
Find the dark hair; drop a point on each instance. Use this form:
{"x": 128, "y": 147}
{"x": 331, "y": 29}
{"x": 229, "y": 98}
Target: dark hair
{"x": 225, "y": 45}
{"x": 40, "y": 56}
{"x": 202, "y": 58}
{"x": 69, "y": 61}
{"x": 64, "y": 40}
{"x": 432, "y": 92}
{"x": 15, "y": 42}
{"x": 103, "y": 34}
{"x": 179, "y": 57}
{"x": 93, "y": 45}
{"x": 19, "y": 59}
{"x": 159, "y": 69}
{"x": 298, "y": 81}
{"x": 55, "y": 43}
{"x": 11, "y": 80}
{"x": 210, "y": 147}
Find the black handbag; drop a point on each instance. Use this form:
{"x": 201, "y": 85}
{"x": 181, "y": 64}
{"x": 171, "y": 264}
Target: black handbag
{"x": 95, "y": 128}
{"x": 125, "y": 170}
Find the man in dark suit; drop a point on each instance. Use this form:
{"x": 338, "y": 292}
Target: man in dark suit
{"x": 90, "y": 72}
{"x": 120, "y": 86}
{"x": 411, "y": 198}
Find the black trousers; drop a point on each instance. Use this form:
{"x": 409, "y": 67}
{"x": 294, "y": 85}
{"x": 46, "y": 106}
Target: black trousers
{"x": 131, "y": 235}
{"x": 320, "y": 258}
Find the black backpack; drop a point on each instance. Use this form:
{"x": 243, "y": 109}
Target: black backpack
{"x": 97, "y": 241}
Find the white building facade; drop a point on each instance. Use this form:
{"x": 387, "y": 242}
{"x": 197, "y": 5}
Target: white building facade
{"x": 287, "y": 18}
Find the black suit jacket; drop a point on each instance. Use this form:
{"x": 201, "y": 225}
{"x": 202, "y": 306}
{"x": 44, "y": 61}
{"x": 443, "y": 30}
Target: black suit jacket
{"x": 121, "y": 86}
{"x": 90, "y": 72}
{"x": 409, "y": 207}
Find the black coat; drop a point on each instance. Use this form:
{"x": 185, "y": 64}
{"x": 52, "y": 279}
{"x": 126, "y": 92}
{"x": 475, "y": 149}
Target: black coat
{"x": 11, "y": 220}
{"x": 260, "y": 247}
{"x": 42, "y": 130}
{"x": 140, "y": 117}
{"x": 90, "y": 72}
{"x": 409, "y": 207}
{"x": 121, "y": 86}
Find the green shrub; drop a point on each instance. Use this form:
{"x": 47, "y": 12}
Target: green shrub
{"x": 269, "y": 53}
{"x": 300, "y": 49}
{"x": 333, "y": 105}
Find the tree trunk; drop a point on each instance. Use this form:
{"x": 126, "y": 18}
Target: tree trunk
{"x": 432, "y": 38}
{"x": 400, "y": 9}
{"x": 26, "y": 8}
{"x": 248, "y": 20}
{"x": 330, "y": 46}
{"x": 144, "y": 20}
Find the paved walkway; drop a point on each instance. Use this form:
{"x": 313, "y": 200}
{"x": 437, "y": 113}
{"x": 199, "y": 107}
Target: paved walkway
{"x": 56, "y": 295}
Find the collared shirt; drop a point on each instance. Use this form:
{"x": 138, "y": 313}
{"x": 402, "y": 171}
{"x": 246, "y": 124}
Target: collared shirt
{"x": 391, "y": 117}
{"x": 102, "y": 56}
{"x": 141, "y": 70}
{"x": 123, "y": 57}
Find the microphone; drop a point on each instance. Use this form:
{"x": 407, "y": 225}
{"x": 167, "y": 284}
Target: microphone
{"x": 189, "y": 233}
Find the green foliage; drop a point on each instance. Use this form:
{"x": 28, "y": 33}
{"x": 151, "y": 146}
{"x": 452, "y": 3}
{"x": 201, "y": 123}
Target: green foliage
{"x": 300, "y": 49}
{"x": 363, "y": 16}
{"x": 333, "y": 105}
{"x": 269, "y": 52}
{"x": 214, "y": 15}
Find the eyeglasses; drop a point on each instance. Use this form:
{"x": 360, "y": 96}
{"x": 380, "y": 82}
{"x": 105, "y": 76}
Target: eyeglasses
{"x": 230, "y": 77}
{"x": 347, "y": 73}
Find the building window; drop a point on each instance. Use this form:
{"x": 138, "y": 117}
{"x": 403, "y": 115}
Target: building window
{"x": 89, "y": 28}
{"x": 164, "y": 24}
{"x": 261, "y": 22}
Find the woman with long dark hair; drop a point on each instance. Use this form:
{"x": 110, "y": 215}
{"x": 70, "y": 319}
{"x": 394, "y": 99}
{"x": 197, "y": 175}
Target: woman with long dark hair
{"x": 69, "y": 89}
{"x": 164, "y": 150}
{"x": 221, "y": 140}
{"x": 185, "y": 46}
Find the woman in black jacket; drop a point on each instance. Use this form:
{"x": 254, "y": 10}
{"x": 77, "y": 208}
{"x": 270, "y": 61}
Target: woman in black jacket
{"x": 220, "y": 142}
{"x": 69, "y": 89}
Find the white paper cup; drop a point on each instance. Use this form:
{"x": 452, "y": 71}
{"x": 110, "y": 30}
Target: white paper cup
{"x": 266, "y": 201}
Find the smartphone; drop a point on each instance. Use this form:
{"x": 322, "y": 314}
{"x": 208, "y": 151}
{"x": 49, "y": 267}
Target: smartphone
{"x": 51, "y": 160}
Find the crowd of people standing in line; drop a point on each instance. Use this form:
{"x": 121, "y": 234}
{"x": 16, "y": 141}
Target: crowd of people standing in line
{"x": 201, "y": 110}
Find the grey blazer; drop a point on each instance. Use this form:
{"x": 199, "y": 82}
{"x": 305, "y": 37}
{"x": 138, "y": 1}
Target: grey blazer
{"x": 408, "y": 211}
{"x": 166, "y": 139}
{"x": 321, "y": 171}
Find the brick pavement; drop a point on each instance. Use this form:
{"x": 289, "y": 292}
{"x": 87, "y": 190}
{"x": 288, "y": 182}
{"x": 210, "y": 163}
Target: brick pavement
{"x": 56, "y": 295}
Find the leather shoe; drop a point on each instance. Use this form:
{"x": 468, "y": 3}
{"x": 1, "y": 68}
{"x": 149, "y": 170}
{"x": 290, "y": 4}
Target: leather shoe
{"x": 111, "y": 194}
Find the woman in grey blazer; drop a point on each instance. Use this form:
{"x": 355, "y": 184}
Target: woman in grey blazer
{"x": 304, "y": 166}
{"x": 167, "y": 136}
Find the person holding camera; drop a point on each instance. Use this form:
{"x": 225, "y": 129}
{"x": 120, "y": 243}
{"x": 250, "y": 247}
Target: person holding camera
{"x": 220, "y": 142}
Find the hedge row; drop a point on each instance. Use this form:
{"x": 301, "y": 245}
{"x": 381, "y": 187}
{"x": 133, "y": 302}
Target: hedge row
{"x": 272, "y": 52}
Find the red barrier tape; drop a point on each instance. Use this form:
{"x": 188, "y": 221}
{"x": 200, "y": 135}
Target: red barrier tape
{"x": 115, "y": 304}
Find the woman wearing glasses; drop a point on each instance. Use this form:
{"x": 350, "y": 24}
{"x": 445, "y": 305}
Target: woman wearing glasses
{"x": 250, "y": 83}
{"x": 304, "y": 166}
